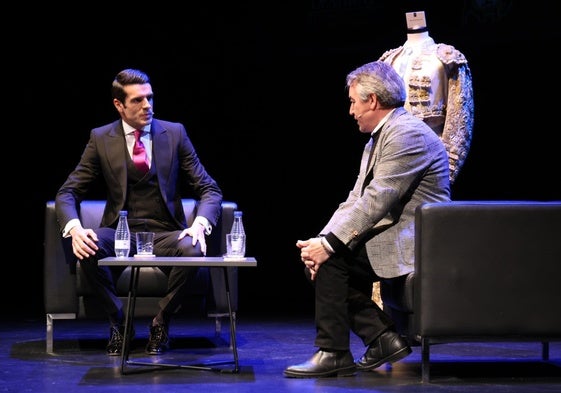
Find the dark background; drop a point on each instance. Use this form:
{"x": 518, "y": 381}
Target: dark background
{"x": 260, "y": 88}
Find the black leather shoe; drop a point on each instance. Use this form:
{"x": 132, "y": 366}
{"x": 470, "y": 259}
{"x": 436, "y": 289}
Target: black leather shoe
{"x": 158, "y": 342}
{"x": 116, "y": 339}
{"x": 324, "y": 364}
{"x": 389, "y": 347}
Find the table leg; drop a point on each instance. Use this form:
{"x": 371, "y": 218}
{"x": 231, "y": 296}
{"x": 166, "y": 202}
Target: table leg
{"x": 133, "y": 285}
{"x": 131, "y": 303}
{"x": 232, "y": 323}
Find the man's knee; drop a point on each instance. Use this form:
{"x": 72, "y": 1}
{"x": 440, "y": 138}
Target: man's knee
{"x": 186, "y": 248}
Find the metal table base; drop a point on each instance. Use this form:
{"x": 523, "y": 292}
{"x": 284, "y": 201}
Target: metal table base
{"x": 138, "y": 262}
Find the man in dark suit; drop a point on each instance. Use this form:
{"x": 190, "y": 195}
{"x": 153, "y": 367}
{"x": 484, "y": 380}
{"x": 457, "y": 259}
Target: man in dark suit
{"x": 370, "y": 236}
{"x": 151, "y": 195}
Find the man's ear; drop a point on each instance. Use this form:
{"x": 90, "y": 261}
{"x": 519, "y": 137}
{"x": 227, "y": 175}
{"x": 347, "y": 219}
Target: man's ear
{"x": 118, "y": 105}
{"x": 373, "y": 101}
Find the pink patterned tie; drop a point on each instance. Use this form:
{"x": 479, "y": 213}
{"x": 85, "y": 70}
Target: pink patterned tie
{"x": 139, "y": 153}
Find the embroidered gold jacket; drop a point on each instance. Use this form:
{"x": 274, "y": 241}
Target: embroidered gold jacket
{"x": 439, "y": 91}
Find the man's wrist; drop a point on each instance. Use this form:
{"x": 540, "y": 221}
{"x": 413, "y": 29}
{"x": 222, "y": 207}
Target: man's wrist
{"x": 326, "y": 246}
{"x": 204, "y": 223}
{"x": 69, "y": 226}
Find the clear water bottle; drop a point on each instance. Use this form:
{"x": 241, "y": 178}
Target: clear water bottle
{"x": 237, "y": 241}
{"x": 122, "y": 236}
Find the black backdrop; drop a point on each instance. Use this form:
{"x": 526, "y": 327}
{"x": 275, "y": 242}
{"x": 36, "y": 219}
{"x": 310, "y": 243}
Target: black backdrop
{"x": 260, "y": 88}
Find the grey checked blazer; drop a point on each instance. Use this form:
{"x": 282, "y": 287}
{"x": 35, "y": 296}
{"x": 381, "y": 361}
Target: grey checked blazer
{"x": 409, "y": 167}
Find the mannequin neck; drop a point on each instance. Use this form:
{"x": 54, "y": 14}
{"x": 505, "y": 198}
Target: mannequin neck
{"x": 415, "y": 39}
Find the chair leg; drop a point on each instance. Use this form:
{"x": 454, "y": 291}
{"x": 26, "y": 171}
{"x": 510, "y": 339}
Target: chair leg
{"x": 425, "y": 360}
{"x": 545, "y": 350}
{"x": 50, "y": 328}
{"x": 218, "y": 321}
{"x": 217, "y": 326}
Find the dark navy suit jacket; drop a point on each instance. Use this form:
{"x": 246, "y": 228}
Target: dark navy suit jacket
{"x": 174, "y": 157}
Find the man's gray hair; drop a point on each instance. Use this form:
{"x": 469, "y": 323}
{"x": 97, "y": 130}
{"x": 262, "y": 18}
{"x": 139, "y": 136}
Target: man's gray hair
{"x": 380, "y": 79}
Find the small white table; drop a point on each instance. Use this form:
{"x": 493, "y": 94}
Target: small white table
{"x": 137, "y": 262}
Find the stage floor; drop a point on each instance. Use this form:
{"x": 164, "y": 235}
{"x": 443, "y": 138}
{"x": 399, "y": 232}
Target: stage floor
{"x": 266, "y": 345}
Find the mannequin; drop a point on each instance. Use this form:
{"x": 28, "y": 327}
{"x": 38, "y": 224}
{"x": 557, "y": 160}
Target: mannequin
{"x": 439, "y": 87}
{"x": 439, "y": 91}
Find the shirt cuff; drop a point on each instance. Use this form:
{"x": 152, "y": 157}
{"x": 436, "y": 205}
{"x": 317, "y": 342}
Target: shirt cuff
{"x": 71, "y": 224}
{"x": 326, "y": 245}
{"x": 204, "y": 222}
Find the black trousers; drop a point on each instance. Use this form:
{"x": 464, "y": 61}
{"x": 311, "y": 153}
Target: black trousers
{"x": 343, "y": 302}
{"x": 103, "y": 278}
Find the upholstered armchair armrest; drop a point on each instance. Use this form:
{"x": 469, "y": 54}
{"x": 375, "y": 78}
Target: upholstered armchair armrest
{"x": 59, "y": 276}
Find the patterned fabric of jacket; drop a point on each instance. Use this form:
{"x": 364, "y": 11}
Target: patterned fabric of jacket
{"x": 439, "y": 91}
{"x": 409, "y": 167}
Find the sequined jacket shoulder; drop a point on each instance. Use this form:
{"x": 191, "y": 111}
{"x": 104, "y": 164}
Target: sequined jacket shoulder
{"x": 439, "y": 91}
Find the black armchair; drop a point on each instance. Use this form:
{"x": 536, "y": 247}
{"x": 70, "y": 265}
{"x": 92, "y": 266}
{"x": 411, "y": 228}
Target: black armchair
{"x": 68, "y": 296}
{"x": 484, "y": 271}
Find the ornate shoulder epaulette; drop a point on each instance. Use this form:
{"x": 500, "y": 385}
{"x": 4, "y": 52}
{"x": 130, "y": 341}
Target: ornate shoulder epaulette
{"x": 389, "y": 53}
{"x": 448, "y": 54}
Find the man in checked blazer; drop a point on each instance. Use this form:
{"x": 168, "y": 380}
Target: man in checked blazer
{"x": 370, "y": 236}
{"x": 152, "y": 199}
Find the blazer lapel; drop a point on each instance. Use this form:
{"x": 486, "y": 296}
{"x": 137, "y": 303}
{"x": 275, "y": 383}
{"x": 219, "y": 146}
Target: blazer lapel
{"x": 369, "y": 168}
{"x": 161, "y": 154}
{"x": 115, "y": 145}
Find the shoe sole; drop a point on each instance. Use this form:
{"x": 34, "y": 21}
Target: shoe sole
{"x": 394, "y": 357}
{"x": 342, "y": 372}
{"x": 164, "y": 349}
{"x": 155, "y": 352}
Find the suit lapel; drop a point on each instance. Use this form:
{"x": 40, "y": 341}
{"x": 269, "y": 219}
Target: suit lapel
{"x": 369, "y": 163}
{"x": 161, "y": 153}
{"x": 115, "y": 145}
